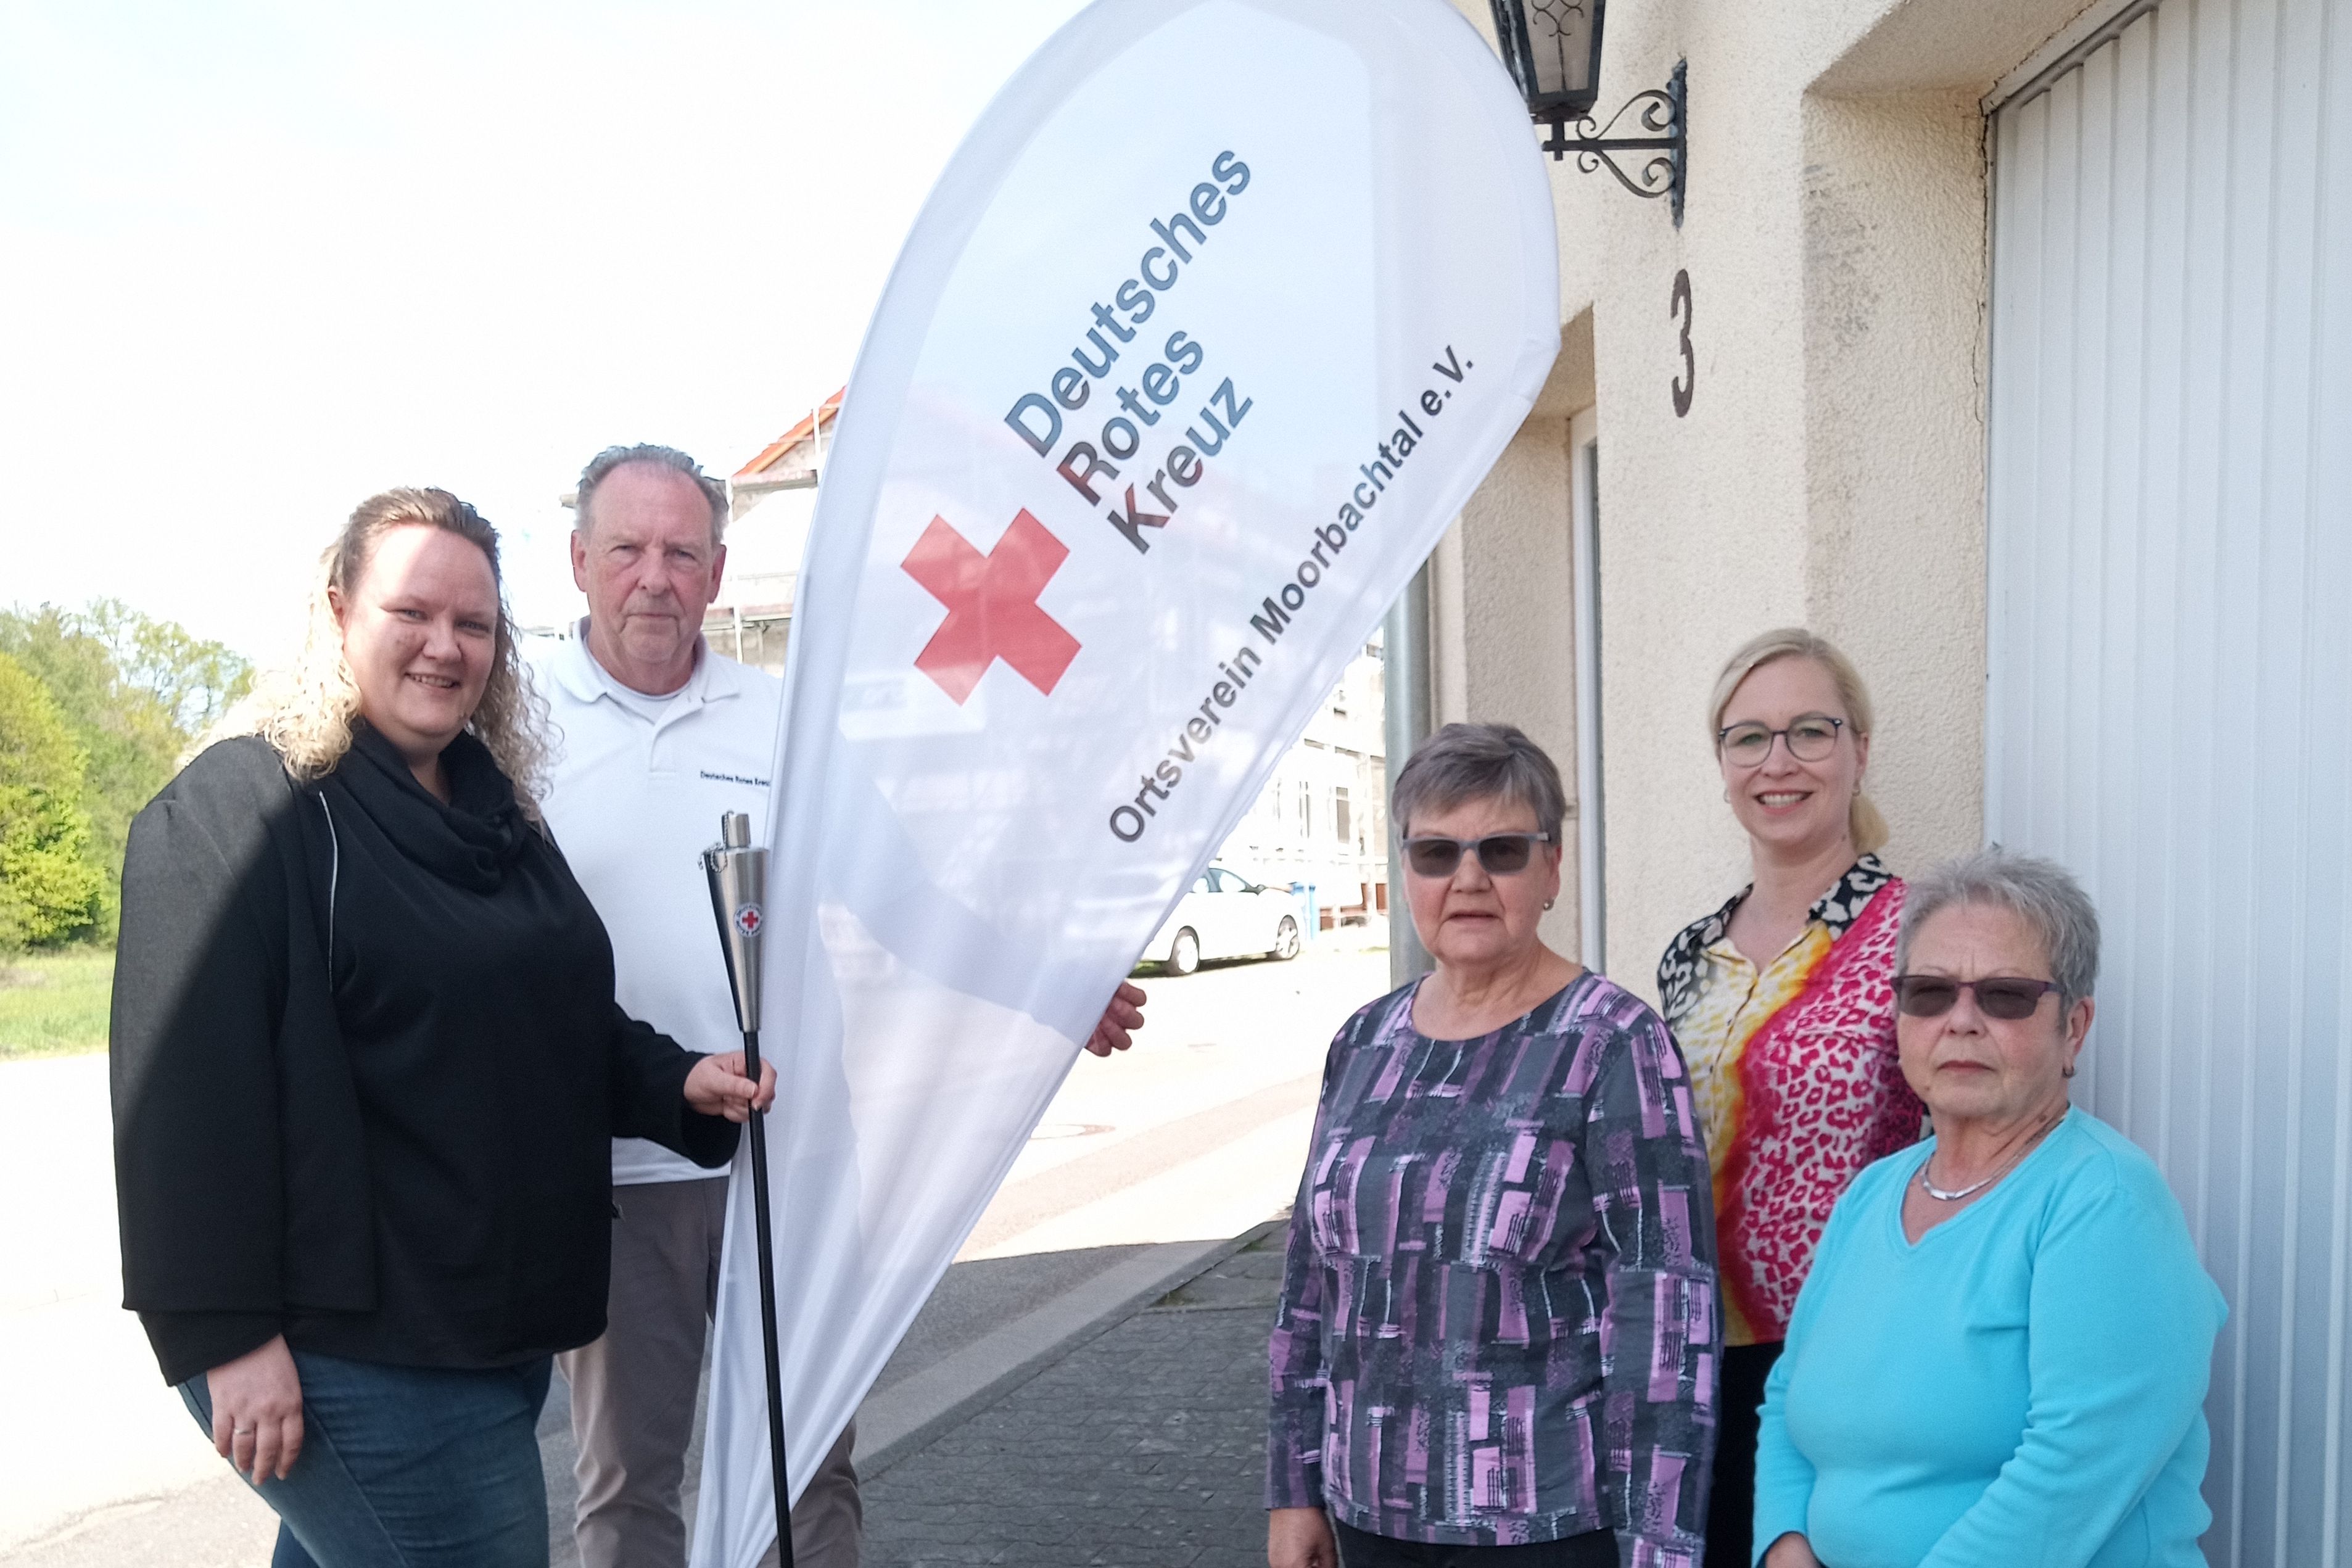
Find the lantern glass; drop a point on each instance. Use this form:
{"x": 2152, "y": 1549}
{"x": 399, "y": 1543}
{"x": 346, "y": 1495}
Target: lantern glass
{"x": 1553, "y": 50}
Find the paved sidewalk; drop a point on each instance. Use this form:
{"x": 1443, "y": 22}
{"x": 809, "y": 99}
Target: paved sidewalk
{"x": 1132, "y": 1440}
{"x": 1140, "y": 1164}
{"x": 1141, "y": 1448}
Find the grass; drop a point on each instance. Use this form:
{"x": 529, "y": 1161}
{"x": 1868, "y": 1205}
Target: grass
{"x": 54, "y": 1003}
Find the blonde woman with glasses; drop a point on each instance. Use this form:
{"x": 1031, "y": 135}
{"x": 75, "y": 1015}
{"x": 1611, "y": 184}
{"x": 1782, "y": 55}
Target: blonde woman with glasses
{"x": 1782, "y": 1004}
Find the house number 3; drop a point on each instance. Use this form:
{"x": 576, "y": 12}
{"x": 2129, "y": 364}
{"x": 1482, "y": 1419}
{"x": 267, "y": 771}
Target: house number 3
{"x": 1680, "y": 309}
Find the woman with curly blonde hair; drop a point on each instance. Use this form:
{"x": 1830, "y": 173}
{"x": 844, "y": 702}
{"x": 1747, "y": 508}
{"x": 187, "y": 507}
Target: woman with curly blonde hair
{"x": 306, "y": 711}
{"x": 367, "y": 1066}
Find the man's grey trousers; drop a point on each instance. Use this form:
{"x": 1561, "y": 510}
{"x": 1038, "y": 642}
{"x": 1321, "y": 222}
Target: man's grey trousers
{"x": 633, "y": 1393}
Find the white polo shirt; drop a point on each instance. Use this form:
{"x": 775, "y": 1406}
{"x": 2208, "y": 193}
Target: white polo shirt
{"x": 635, "y": 794}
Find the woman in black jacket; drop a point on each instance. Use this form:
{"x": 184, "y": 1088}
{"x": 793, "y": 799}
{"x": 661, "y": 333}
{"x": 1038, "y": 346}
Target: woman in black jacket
{"x": 366, "y": 1070}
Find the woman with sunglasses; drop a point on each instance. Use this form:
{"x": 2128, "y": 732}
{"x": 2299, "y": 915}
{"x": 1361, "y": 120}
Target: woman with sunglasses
{"x": 1497, "y": 1327}
{"x": 2000, "y": 1356}
{"x": 1780, "y": 1002}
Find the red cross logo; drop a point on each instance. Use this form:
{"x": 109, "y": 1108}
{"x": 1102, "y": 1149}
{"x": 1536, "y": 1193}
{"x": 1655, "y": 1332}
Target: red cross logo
{"x": 991, "y": 603}
{"x": 748, "y": 920}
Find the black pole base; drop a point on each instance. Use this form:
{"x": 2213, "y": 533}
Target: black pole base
{"x": 758, "y": 1129}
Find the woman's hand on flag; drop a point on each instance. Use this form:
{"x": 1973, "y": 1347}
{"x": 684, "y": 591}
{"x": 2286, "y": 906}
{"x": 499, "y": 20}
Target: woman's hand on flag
{"x": 718, "y": 1087}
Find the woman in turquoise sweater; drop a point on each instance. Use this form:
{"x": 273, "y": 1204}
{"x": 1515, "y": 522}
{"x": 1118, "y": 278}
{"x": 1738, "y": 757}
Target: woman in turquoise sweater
{"x": 2001, "y": 1357}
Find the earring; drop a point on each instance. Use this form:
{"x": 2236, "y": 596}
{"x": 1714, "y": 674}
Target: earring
{"x": 2068, "y": 1071}
{"x": 1548, "y": 902}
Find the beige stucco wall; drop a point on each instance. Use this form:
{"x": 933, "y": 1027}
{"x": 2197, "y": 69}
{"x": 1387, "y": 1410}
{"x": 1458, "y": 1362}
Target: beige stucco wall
{"x": 1831, "y": 469}
{"x": 1507, "y": 563}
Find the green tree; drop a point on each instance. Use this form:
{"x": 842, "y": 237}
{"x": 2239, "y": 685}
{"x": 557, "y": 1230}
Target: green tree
{"x": 135, "y": 693}
{"x": 50, "y": 891}
{"x": 195, "y": 681}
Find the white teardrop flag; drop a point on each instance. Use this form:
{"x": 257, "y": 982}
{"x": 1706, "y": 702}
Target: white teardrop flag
{"x": 1212, "y": 325}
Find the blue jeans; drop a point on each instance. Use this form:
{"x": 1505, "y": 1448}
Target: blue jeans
{"x": 409, "y": 1466}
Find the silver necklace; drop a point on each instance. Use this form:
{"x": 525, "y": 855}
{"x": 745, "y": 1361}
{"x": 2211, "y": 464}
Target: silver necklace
{"x": 1955, "y": 1194}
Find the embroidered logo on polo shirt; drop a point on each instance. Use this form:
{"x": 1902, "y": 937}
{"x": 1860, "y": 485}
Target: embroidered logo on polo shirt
{"x": 733, "y": 778}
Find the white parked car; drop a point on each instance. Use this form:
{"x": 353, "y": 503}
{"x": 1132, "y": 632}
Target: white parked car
{"x": 1226, "y": 915}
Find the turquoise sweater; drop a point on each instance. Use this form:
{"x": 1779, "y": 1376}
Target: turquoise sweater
{"x": 2024, "y": 1388}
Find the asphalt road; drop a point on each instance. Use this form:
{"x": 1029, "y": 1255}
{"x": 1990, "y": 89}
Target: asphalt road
{"x": 1196, "y": 1134}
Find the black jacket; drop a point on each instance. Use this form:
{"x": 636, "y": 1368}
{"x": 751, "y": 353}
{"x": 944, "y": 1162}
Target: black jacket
{"x": 367, "y": 1067}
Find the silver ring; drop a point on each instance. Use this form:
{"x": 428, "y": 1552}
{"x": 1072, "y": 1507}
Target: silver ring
{"x": 240, "y": 1432}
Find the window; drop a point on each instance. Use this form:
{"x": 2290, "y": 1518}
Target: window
{"x": 1306, "y": 809}
{"x": 1339, "y": 829}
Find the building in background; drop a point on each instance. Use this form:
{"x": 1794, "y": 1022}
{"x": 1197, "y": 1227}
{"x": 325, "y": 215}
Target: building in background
{"x": 1998, "y": 342}
{"x": 1321, "y": 821}
{"x": 772, "y": 503}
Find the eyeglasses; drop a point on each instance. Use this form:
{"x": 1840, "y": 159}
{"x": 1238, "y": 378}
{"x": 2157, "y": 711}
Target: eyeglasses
{"x": 2005, "y": 997}
{"x": 1502, "y": 853}
{"x": 1811, "y": 738}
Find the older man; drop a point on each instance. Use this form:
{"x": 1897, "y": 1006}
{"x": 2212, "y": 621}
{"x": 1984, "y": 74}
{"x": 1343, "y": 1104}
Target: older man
{"x": 658, "y": 736}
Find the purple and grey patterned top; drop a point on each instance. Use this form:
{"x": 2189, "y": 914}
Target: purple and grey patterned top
{"x": 1499, "y": 1322}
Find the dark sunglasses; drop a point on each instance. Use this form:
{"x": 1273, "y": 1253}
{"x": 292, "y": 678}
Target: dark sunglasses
{"x": 1502, "y": 853}
{"x": 2004, "y": 997}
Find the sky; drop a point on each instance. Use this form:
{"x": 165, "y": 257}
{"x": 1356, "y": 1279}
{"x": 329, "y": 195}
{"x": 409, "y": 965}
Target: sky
{"x": 259, "y": 262}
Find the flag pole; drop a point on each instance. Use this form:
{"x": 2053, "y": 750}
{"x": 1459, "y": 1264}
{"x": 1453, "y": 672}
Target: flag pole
{"x": 738, "y": 874}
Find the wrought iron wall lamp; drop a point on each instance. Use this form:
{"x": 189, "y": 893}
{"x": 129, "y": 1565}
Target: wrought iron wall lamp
{"x": 1553, "y": 50}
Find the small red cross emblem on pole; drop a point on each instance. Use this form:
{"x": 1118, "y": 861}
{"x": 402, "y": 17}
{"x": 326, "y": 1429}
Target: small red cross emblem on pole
{"x": 992, "y": 602}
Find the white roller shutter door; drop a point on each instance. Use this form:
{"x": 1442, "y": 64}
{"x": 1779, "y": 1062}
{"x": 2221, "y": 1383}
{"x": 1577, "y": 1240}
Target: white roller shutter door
{"x": 2170, "y": 702}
